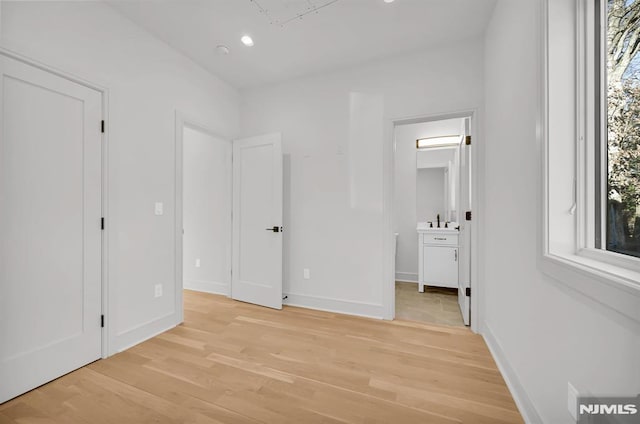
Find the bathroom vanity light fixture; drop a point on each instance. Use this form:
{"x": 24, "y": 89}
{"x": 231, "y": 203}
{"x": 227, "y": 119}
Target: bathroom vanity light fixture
{"x": 442, "y": 141}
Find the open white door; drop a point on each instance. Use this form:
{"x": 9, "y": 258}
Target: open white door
{"x": 50, "y": 230}
{"x": 464, "y": 263}
{"x": 257, "y": 220}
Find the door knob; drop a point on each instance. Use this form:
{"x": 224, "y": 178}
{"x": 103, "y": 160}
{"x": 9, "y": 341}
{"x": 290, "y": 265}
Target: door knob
{"x": 275, "y": 229}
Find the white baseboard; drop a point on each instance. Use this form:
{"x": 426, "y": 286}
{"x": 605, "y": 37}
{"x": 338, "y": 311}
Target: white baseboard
{"x": 141, "y": 333}
{"x": 522, "y": 400}
{"x": 405, "y": 281}
{"x": 212, "y": 287}
{"x": 407, "y": 277}
{"x": 362, "y": 309}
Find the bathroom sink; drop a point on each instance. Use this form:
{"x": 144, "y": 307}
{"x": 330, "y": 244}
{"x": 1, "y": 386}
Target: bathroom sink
{"x": 424, "y": 227}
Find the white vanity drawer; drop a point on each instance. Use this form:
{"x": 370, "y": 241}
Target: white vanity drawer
{"x": 441, "y": 239}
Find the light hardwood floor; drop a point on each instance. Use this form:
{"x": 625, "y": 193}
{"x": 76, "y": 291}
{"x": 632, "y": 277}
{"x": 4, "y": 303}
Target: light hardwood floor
{"x": 437, "y": 305}
{"x": 232, "y": 362}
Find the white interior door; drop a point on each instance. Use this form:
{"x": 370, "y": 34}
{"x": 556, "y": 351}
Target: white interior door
{"x": 464, "y": 263}
{"x": 257, "y": 220}
{"x": 50, "y": 232}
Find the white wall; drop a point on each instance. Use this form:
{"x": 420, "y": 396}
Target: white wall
{"x": 147, "y": 82}
{"x": 206, "y": 212}
{"x": 544, "y": 334}
{"x": 433, "y": 158}
{"x": 326, "y": 167}
{"x": 407, "y": 158}
{"x": 430, "y": 194}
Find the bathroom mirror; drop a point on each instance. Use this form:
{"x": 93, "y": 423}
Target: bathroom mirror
{"x": 436, "y": 180}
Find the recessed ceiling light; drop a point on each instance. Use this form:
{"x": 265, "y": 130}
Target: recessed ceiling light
{"x": 247, "y": 41}
{"x": 389, "y": 1}
{"x": 222, "y": 50}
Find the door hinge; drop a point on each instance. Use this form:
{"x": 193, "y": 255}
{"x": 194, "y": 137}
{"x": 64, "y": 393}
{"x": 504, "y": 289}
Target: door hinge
{"x": 102, "y": 223}
{"x": 102, "y": 126}
{"x": 101, "y": 321}
{"x": 467, "y": 291}
{"x": 467, "y": 140}
{"x": 467, "y": 215}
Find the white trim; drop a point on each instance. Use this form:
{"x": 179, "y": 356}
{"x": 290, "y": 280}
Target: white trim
{"x": 388, "y": 232}
{"x": 518, "y": 393}
{"x": 615, "y": 260}
{"x": 145, "y": 331}
{"x": 407, "y": 277}
{"x": 213, "y": 287}
{"x": 588, "y": 279}
{"x": 63, "y": 74}
{"x": 340, "y": 306}
{"x": 107, "y": 337}
{"x": 182, "y": 121}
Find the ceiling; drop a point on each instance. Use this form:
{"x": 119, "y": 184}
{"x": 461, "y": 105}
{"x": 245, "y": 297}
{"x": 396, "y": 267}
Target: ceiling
{"x": 339, "y": 34}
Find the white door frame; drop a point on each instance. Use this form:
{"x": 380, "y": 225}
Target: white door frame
{"x": 388, "y": 292}
{"x": 107, "y": 335}
{"x": 182, "y": 121}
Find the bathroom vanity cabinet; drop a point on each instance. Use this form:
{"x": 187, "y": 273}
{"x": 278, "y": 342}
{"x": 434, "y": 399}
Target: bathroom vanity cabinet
{"x": 438, "y": 257}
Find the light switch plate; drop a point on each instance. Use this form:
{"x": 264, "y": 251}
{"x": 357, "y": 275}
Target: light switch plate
{"x": 198, "y": 263}
{"x": 159, "y": 208}
{"x": 158, "y": 290}
{"x": 307, "y": 274}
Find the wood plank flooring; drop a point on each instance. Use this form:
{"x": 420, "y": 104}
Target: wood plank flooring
{"x": 232, "y": 362}
{"x": 437, "y": 305}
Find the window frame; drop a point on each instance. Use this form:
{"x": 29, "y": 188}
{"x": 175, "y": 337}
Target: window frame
{"x": 592, "y": 160}
{"x": 608, "y": 278}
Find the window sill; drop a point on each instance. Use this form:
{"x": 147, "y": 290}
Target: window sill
{"x": 613, "y": 287}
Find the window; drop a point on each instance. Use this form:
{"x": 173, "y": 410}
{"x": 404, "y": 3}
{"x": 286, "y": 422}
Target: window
{"x": 590, "y": 139}
{"x": 607, "y": 174}
{"x": 618, "y": 140}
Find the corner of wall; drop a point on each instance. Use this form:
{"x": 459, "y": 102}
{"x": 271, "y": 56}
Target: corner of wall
{"x": 123, "y": 341}
{"x": 522, "y": 400}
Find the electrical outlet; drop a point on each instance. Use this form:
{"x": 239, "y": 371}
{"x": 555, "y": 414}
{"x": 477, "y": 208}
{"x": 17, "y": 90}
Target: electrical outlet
{"x": 158, "y": 290}
{"x": 572, "y": 401}
{"x": 307, "y": 274}
{"x": 198, "y": 263}
{"x": 159, "y": 208}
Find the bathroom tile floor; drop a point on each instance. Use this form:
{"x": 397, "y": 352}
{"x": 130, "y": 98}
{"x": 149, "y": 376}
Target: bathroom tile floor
{"x": 436, "y": 305}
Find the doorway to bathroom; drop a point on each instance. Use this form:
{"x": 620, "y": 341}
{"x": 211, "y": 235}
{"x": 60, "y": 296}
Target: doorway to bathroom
{"x": 432, "y": 220}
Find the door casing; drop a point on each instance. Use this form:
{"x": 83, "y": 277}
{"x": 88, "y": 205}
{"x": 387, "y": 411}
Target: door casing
{"x": 181, "y": 121}
{"x": 387, "y": 228}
